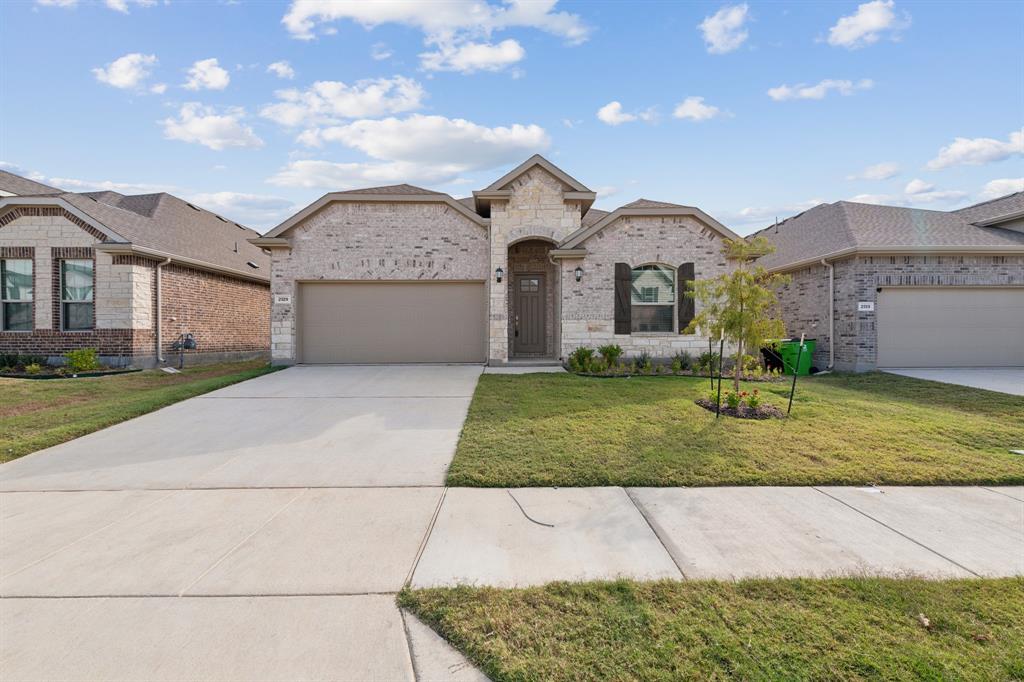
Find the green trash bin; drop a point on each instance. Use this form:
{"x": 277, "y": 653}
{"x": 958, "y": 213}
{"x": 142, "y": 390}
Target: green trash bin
{"x": 790, "y": 348}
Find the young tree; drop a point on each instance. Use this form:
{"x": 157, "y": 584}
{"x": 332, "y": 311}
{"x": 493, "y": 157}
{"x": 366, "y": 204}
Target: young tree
{"x": 740, "y": 305}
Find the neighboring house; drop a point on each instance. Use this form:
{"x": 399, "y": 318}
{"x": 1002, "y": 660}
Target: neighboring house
{"x": 523, "y": 270}
{"x": 126, "y": 275}
{"x": 905, "y": 287}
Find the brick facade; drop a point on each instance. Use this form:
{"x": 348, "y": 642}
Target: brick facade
{"x": 372, "y": 241}
{"x": 588, "y": 307}
{"x": 857, "y": 279}
{"x": 229, "y": 316}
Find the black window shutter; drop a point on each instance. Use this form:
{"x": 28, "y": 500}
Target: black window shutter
{"x": 685, "y": 276}
{"x": 623, "y": 284}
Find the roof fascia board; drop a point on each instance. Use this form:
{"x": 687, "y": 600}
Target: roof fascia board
{"x": 333, "y": 197}
{"x": 537, "y": 160}
{"x": 129, "y": 249}
{"x": 584, "y": 233}
{"x": 896, "y": 251}
{"x": 271, "y": 242}
{"x": 567, "y": 253}
{"x": 56, "y": 201}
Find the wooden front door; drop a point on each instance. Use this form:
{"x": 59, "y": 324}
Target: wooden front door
{"x": 529, "y": 315}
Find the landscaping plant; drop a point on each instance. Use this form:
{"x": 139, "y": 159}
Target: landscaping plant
{"x": 740, "y": 305}
{"x": 82, "y": 360}
{"x": 611, "y": 353}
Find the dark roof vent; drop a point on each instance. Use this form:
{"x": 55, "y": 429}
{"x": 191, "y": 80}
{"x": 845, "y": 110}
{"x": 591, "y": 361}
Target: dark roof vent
{"x": 191, "y": 206}
{"x": 252, "y": 265}
{"x": 219, "y": 218}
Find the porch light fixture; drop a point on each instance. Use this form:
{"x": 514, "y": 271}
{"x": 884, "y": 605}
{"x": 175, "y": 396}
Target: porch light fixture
{"x": 498, "y": 274}
{"x": 579, "y": 273}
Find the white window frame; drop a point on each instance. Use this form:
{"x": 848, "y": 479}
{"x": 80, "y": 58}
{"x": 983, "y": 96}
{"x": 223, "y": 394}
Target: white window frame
{"x": 64, "y": 302}
{"x": 674, "y": 303}
{"x": 31, "y": 295}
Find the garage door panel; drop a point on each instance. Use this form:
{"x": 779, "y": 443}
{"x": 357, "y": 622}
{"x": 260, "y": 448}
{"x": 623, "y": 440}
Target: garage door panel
{"x": 950, "y": 327}
{"x": 368, "y": 322}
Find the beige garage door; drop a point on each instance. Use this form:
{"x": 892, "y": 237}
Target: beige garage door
{"x": 950, "y": 327}
{"x": 367, "y": 322}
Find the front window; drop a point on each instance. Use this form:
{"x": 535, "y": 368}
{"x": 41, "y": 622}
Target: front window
{"x": 16, "y": 294}
{"x": 653, "y": 298}
{"x": 76, "y": 294}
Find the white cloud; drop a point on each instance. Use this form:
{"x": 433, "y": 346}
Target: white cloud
{"x": 380, "y": 51}
{"x": 418, "y": 149}
{"x": 1001, "y": 187}
{"x": 126, "y": 72}
{"x": 470, "y": 57}
{"x": 158, "y": 88}
{"x": 694, "y": 109}
{"x": 978, "y": 151}
{"x": 918, "y": 186}
{"x": 820, "y": 90}
{"x": 254, "y": 210}
{"x": 57, "y": 3}
{"x": 866, "y": 25}
{"x": 206, "y": 74}
{"x": 282, "y": 69}
{"x": 203, "y": 125}
{"x": 122, "y": 5}
{"x": 724, "y": 30}
{"x": 455, "y": 27}
{"x": 613, "y": 115}
{"x": 917, "y": 192}
{"x": 332, "y": 101}
{"x": 879, "y": 171}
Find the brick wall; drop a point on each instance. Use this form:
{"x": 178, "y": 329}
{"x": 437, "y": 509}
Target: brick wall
{"x": 857, "y": 279}
{"x": 373, "y": 241}
{"x": 588, "y": 307}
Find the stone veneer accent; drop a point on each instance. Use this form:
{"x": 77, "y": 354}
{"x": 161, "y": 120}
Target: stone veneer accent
{"x": 537, "y": 208}
{"x": 372, "y": 241}
{"x": 230, "y": 317}
{"x": 588, "y": 307}
{"x": 805, "y": 299}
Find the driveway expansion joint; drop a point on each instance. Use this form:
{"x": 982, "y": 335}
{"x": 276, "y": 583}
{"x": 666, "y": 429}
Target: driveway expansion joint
{"x": 1000, "y": 492}
{"x": 654, "y": 529}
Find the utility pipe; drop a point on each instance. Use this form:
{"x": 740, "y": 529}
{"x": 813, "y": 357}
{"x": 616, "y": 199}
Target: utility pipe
{"x": 159, "y": 313}
{"x": 831, "y": 312}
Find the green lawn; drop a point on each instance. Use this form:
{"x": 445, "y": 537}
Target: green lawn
{"x": 561, "y": 429}
{"x": 836, "y": 629}
{"x": 35, "y": 414}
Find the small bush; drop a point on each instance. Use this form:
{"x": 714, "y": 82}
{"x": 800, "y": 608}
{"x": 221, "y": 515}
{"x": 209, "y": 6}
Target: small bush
{"x": 33, "y": 368}
{"x": 82, "y": 360}
{"x": 754, "y": 399}
{"x": 643, "y": 361}
{"x": 733, "y": 399}
{"x": 684, "y": 359}
{"x": 708, "y": 362}
{"x": 677, "y": 366}
{"x": 611, "y": 353}
{"x": 580, "y": 359}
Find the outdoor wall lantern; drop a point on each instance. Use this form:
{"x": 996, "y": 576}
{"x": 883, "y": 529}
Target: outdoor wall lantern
{"x": 498, "y": 274}
{"x": 579, "y": 273}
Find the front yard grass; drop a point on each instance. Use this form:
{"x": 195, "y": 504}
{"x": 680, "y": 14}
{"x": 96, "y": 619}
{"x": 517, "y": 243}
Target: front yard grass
{"x": 35, "y": 414}
{"x": 566, "y": 430}
{"x": 779, "y": 629}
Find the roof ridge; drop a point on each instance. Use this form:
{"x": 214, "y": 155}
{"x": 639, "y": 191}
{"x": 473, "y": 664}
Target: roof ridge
{"x": 987, "y": 201}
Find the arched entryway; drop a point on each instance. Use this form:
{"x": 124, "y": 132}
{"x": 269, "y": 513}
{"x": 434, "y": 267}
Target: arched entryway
{"x": 532, "y": 300}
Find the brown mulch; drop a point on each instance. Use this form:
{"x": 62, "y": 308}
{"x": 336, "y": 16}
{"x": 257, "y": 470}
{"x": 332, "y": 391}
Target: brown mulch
{"x": 744, "y": 412}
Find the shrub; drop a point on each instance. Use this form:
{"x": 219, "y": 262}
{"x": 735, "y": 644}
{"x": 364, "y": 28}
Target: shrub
{"x": 754, "y": 399}
{"x": 677, "y": 366}
{"x": 580, "y": 359}
{"x": 611, "y": 353}
{"x": 684, "y": 359}
{"x": 708, "y": 362}
{"x": 643, "y": 361}
{"x": 733, "y": 399}
{"x": 82, "y": 360}
{"x": 33, "y": 368}
{"x": 713, "y": 397}
{"x": 750, "y": 363}
{"x": 597, "y": 365}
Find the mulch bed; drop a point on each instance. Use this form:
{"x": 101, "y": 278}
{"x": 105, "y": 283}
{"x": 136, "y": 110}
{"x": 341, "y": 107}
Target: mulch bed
{"x": 744, "y": 412}
{"x": 66, "y": 375}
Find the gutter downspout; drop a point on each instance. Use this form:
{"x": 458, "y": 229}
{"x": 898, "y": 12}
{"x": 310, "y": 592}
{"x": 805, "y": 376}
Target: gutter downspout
{"x": 159, "y": 314}
{"x": 831, "y": 312}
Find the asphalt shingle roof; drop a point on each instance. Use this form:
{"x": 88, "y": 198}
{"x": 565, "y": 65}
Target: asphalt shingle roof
{"x": 649, "y": 203}
{"x": 391, "y": 189}
{"x": 15, "y": 184}
{"x": 986, "y": 210}
{"x": 828, "y": 228}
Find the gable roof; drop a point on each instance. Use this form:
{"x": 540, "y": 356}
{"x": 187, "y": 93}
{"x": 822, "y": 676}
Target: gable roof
{"x": 846, "y": 227}
{"x": 640, "y": 207}
{"x": 994, "y": 211}
{"x": 537, "y": 160}
{"x": 19, "y": 186}
{"x": 162, "y": 225}
{"x": 389, "y": 193}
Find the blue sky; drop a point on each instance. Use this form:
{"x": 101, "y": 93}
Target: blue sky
{"x": 748, "y": 110}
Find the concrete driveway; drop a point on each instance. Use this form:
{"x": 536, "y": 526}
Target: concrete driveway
{"x": 257, "y": 532}
{"x": 327, "y": 426}
{"x": 1000, "y": 379}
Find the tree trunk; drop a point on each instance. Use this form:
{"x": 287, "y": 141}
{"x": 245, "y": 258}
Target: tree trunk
{"x": 738, "y": 369}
